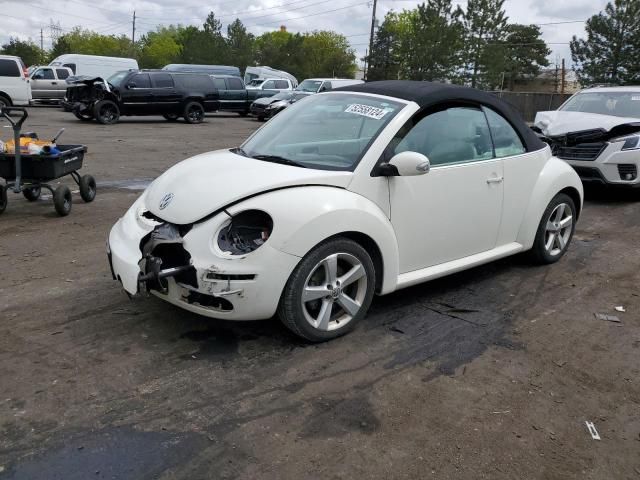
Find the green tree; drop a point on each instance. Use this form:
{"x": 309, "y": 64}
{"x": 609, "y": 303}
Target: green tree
{"x": 160, "y": 47}
{"x": 327, "y": 54}
{"x": 610, "y": 53}
{"x": 240, "y": 45}
{"x": 431, "y": 48}
{"x": 524, "y": 52}
{"x": 485, "y": 24}
{"x": 384, "y": 58}
{"x": 30, "y": 53}
{"x": 282, "y": 50}
{"x": 91, "y": 43}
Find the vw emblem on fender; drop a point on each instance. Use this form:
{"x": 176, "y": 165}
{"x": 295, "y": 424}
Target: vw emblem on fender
{"x": 166, "y": 200}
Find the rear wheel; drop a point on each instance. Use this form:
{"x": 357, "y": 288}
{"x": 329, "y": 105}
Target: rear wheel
{"x": 31, "y": 193}
{"x": 62, "y": 200}
{"x": 106, "y": 112}
{"x": 555, "y": 230}
{"x": 329, "y": 291}
{"x": 87, "y": 188}
{"x": 193, "y": 112}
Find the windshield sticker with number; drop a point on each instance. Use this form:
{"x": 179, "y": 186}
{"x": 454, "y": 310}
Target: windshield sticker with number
{"x": 366, "y": 111}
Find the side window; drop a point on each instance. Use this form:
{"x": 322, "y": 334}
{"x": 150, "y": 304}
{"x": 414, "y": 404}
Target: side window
{"x": 162, "y": 80}
{"x": 9, "y": 68}
{"x": 505, "y": 139}
{"x": 268, "y": 85}
{"x": 141, "y": 80}
{"x": 72, "y": 66}
{"x": 47, "y": 74}
{"x": 63, "y": 73}
{"x": 235, "y": 84}
{"x": 326, "y": 86}
{"x": 281, "y": 84}
{"x": 219, "y": 83}
{"x": 452, "y": 135}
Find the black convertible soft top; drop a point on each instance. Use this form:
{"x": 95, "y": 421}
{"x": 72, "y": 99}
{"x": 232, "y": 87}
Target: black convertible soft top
{"x": 431, "y": 94}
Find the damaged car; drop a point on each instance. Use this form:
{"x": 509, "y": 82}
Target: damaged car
{"x": 360, "y": 191}
{"x": 142, "y": 92}
{"x": 268, "y": 107}
{"x": 597, "y": 131}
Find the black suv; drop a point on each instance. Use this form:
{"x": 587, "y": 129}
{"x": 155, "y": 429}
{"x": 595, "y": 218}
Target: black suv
{"x": 143, "y": 92}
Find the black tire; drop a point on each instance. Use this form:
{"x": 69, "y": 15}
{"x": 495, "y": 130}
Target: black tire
{"x": 171, "y": 117}
{"x": 3, "y": 198}
{"x": 243, "y": 114}
{"x": 193, "y": 112}
{"x": 62, "y": 200}
{"x": 87, "y": 188}
{"x": 294, "y": 313}
{"x": 547, "y": 249}
{"x": 106, "y": 112}
{"x": 85, "y": 117}
{"x": 5, "y": 101}
{"x": 31, "y": 193}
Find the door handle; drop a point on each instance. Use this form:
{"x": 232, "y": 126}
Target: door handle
{"x": 54, "y": 83}
{"x": 495, "y": 180}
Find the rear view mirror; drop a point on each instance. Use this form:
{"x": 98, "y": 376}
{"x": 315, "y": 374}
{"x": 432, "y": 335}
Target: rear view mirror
{"x": 131, "y": 85}
{"x": 406, "y": 164}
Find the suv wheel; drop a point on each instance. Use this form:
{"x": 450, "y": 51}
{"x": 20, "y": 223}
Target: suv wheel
{"x": 106, "y": 112}
{"x": 193, "y": 112}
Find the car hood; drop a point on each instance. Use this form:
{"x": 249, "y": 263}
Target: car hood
{"x": 558, "y": 122}
{"x": 204, "y": 184}
{"x": 265, "y": 100}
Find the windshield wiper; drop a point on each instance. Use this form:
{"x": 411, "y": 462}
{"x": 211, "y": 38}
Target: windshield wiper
{"x": 278, "y": 159}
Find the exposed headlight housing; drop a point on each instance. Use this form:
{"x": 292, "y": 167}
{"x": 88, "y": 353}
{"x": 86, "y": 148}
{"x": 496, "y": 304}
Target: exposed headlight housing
{"x": 631, "y": 142}
{"x": 245, "y": 232}
{"x": 279, "y": 104}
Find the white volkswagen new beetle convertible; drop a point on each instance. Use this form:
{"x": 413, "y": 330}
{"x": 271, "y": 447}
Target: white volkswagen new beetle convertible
{"x": 366, "y": 189}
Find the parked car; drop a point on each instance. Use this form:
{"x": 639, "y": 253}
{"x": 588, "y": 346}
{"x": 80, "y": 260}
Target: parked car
{"x": 253, "y": 73}
{"x": 277, "y": 84}
{"x": 208, "y": 69}
{"x": 144, "y": 92}
{"x": 94, "y": 65}
{"x": 317, "y": 85}
{"x": 597, "y": 131}
{"x": 234, "y": 97}
{"x": 365, "y": 190}
{"x": 268, "y": 107}
{"x": 14, "y": 82}
{"x": 49, "y": 83}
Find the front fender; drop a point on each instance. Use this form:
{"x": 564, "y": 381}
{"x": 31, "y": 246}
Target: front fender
{"x": 305, "y": 216}
{"x": 555, "y": 176}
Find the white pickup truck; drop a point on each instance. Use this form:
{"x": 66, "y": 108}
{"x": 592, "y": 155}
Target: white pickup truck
{"x": 14, "y": 82}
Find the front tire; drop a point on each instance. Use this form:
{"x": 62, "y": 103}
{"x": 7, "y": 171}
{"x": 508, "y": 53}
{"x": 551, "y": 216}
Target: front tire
{"x": 31, "y": 193}
{"x": 329, "y": 291}
{"x": 87, "y": 188}
{"x": 106, "y": 112}
{"x": 555, "y": 230}
{"x": 62, "y": 200}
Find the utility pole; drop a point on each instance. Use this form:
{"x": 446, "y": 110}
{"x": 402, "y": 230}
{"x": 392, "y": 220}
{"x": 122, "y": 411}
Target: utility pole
{"x": 562, "y": 76}
{"x": 373, "y": 26}
{"x": 133, "y": 33}
{"x": 41, "y": 46}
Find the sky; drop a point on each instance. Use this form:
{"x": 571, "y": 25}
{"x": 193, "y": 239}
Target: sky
{"x": 24, "y": 19}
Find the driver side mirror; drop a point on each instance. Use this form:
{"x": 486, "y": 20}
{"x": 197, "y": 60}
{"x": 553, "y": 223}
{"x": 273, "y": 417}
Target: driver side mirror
{"x": 405, "y": 164}
{"x": 131, "y": 85}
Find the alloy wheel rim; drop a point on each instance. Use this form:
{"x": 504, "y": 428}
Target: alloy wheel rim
{"x": 558, "y": 229}
{"x": 334, "y": 291}
{"x": 195, "y": 114}
{"x": 108, "y": 113}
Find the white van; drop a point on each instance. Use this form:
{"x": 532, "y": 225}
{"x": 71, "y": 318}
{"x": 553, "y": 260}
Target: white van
{"x": 254, "y": 73}
{"x": 94, "y": 65}
{"x": 317, "y": 85}
{"x": 14, "y": 82}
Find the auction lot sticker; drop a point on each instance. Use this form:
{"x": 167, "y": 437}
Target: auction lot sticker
{"x": 366, "y": 111}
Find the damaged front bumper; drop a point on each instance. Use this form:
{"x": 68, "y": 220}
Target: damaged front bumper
{"x": 182, "y": 265}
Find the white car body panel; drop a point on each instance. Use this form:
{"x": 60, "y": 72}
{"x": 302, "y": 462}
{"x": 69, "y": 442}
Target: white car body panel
{"x": 16, "y": 88}
{"x": 449, "y": 219}
{"x": 557, "y": 122}
{"x": 94, "y": 65}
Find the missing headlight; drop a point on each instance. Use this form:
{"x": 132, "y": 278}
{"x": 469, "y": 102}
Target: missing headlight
{"x": 246, "y": 232}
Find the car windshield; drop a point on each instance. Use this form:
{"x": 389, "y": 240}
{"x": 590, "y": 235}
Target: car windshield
{"x": 310, "y": 86}
{"x": 619, "y": 104}
{"x": 326, "y": 132}
{"x": 117, "y": 78}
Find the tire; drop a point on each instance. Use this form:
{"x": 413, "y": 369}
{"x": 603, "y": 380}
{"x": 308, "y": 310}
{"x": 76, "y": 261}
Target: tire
{"x": 62, "y": 200}
{"x": 87, "y": 188}
{"x": 85, "y": 117}
{"x": 106, "y": 112}
{"x": 193, "y": 113}
{"x": 243, "y": 114}
{"x": 31, "y": 193}
{"x": 5, "y": 101}
{"x": 555, "y": 230}
{"x": 171, "y": 117}
{"x": 3, "y": 198}
{"x": 323, "y": 317}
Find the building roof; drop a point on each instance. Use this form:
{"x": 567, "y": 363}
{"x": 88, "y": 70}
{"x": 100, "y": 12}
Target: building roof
{"x": 432, "y": 94}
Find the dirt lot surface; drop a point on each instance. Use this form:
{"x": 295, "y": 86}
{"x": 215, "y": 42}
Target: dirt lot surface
{"x": 491, "y": 373}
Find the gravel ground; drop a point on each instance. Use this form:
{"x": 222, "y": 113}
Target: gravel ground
{"x": 490, "y": 373}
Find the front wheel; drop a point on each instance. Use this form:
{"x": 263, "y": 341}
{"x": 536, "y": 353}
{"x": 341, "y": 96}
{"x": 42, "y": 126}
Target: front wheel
{"x": 555, "y": 230}
{"x": 31, "y": 193}
{"x": 87, "y": 188}
{"x": 62, "y": 200}
{"x": 193, "y": 112}
{"x": 329, "y": 291}
{"x": 106, "y": 112}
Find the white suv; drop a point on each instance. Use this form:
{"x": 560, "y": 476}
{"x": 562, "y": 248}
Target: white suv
{"x": 14, "y": 81}
{"x": 597, "y": 131}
